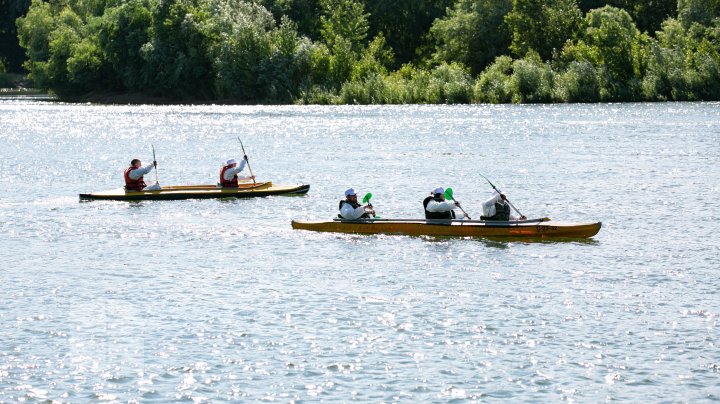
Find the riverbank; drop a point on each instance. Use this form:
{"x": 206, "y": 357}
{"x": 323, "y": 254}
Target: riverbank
{"x": 12, "y": 84}
{"x": 137, "y": 98}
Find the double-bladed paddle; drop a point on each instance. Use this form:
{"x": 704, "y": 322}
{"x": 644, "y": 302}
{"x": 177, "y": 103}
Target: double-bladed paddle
{"x": 246, "y": 160}
{"x": 449, "y": 195}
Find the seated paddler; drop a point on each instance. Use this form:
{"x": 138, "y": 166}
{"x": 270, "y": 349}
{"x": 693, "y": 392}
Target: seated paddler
{"x": 497, "y": 208}
{"x": 436, "y": 207}
{"x": 134, "y": 176}
{"x": 350, "y": 209}
{"x": 229, "y": 173}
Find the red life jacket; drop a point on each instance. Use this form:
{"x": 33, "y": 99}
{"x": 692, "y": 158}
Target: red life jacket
{"x": 233, "y": 183}
{"x": 131, "y": 184}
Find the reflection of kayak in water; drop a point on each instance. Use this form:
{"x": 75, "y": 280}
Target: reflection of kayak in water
{"x": 178, "y": 192}
{"x": 535, "y": 228}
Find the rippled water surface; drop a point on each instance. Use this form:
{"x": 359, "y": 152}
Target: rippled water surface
{"x": 222, "y": 300}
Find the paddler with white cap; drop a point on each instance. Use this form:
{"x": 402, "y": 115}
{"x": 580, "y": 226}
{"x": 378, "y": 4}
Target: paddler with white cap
{"x": 350, "y": 209}
{"x": 229, "y": 173}
{"x": 436, "y": 207}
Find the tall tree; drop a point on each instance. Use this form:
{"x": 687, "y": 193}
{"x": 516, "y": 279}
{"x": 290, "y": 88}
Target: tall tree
{"x": 698, "y": 11}
{"x": 473, "y": 33}
{"x": 344, "y": 19}
{"x": 610, "y": 42}
{"x": 542, "y": 26}
{"x": 648, "y": 15}
{"x": 303, "y": 13}
{"x": 404, "y": 24}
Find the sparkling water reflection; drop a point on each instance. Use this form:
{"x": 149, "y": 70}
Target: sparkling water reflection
{"x": 221, "y": 300}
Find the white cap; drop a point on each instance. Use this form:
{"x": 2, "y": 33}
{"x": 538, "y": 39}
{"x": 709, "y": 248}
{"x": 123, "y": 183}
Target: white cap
{"x": 349, "y": 192}
{"x": 438, "y": 191}
{"x": 231, "y": 161}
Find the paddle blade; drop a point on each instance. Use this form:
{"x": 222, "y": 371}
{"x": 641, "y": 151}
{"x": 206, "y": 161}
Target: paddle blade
{"x": 449, "y": 193}
{"x": 367, "y": 197}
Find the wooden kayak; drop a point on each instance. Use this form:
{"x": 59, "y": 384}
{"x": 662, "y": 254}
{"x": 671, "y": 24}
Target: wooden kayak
{"x": 534, "y": 228}
{"x": 179, "y": 192}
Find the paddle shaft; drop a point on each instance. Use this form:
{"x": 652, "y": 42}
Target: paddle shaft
{"x": 506, "y": 199}
{"x": 155, "y": 164}
{"x": 463, "y": 210}
{"x": 367, "y": 199}
{"x": 246, "y": 160}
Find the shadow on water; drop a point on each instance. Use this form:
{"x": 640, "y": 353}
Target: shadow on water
{"x": 505, "y": 242}
{"x": 492, "y": 242}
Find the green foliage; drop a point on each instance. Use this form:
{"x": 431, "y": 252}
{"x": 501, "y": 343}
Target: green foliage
{"x": 241, "y": 42}
{"x": 344, "y": 21}
{"x": 176, "y": 59}
{"x": 303, "y": 13}
{"x": 698, "y": 11}
{"x": 531, "y": 81}
{"x": 405, "y": 24}
{"x": 272, "y": 51}
{"x": 493, "y": 85}
{"x": 374, "y": 60}
{"x": 121, "y": 35}
{"x": 542, "y": 26}
{"x": 473, "y": 33}
{"x": 683, "y": 65}
{"x": 578, "y": 83}
{"x": 613, "y": 45}
{"x": 648, "y": 15}
{"x": 446, "y": 84}
{"x": 449, "y": 84}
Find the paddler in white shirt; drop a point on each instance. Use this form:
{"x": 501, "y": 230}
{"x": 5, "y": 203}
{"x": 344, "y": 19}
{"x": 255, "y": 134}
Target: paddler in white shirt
{"x": 497, "y": 208}
{"x": 350, "y": 209}
{"x": 436, "y": 207}
{"x": 229, "y": 173}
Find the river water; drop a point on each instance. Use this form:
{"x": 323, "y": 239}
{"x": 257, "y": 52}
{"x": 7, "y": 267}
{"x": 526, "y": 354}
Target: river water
{"x": 214, "y": 300}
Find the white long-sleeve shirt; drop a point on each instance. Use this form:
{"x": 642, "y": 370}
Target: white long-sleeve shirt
{"x": 350, "y": 213}
{"x": 231, "y": 172}
{"x": 444, "y": 206}
{"x": 489, "y": 209}
{"x": 139, "y": 172}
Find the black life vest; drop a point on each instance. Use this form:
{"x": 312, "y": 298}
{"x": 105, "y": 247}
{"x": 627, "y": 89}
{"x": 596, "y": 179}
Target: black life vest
{"x": 436, "y": 215}
{"x": 233, "y": 183}
{"x": 354, "y": 205}
{"x": 131, "y": 184}
{"x": 502, "y": 212}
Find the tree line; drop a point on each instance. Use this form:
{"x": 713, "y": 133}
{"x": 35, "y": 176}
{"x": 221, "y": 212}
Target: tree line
{"x": 373, "y": 51}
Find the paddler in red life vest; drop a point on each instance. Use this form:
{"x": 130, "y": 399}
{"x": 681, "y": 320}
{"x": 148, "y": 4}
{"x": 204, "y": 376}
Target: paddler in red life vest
{"x": 436, "y": 207}
{"x": 134, "y": 175}
{"x": 350, "y": 209}
{"x": 229, "y": 173}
